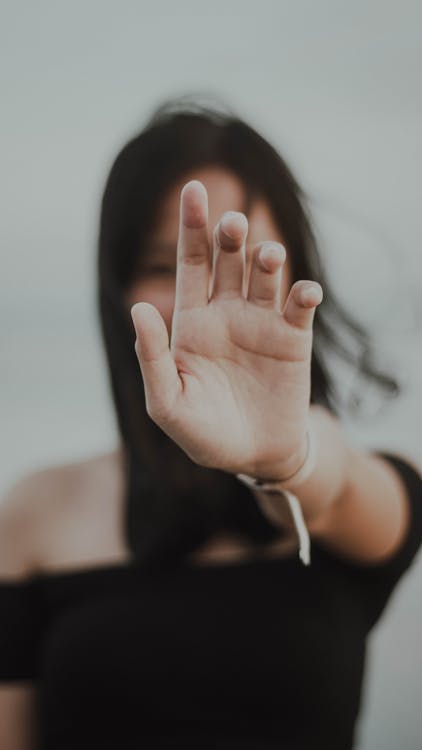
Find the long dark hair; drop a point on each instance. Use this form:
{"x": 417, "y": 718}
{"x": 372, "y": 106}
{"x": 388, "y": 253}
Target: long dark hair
{"x": 172, "y": 505}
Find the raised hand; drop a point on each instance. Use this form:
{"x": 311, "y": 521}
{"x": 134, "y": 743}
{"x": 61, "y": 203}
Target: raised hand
{"x": 233, "y": 387}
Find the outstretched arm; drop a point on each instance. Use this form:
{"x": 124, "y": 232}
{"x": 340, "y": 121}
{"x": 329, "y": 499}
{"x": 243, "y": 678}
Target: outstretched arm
{"x": 232, "y": 388}
{"x": 353, "y": 500}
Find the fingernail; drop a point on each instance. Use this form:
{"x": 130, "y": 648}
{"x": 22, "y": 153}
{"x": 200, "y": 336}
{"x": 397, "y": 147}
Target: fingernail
{"x": 194, "y": 205}
{"x": 312, "y": 295}
{"x": 274, "y": 250}
{"x": 233, "y": 231}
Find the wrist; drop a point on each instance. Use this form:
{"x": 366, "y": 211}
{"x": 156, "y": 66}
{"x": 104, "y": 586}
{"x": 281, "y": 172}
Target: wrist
{"x": 283, "y": 472}
{"x": 305, "y": 463}
{"x": 279, "y": 481}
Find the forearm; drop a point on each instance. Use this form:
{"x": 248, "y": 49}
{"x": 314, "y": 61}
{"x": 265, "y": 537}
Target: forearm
{"x": 336, "y": 460}
{"x": 354, "y": 500}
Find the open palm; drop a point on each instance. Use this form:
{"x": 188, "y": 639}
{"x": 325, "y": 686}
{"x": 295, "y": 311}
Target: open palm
{"x": 233, "y": 388}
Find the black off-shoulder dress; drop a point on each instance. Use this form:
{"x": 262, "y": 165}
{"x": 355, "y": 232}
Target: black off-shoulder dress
{"x": 260, "y": 654}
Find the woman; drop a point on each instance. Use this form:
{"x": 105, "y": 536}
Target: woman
{"x": 154, "y": 596}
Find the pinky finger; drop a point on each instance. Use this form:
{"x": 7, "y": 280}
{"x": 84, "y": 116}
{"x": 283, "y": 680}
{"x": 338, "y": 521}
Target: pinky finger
{"x": 303, "y": 298}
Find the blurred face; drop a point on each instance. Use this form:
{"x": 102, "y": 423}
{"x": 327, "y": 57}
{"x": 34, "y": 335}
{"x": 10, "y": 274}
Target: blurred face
{"x": 157, "y": 267}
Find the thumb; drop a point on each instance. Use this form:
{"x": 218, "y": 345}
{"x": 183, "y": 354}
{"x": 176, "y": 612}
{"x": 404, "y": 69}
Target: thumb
{"x": 159, "y": 371}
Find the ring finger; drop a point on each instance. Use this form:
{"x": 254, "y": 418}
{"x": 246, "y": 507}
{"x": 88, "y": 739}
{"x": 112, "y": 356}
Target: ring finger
{"x": 266, "y": 273}
{"x": 229, "y": 254}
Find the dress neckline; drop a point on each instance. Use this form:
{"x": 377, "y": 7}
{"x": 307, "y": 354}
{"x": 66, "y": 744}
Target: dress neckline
{"x": 129, "y": 568}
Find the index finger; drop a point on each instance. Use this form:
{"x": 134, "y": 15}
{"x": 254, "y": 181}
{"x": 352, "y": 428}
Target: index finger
{"x": 193, "y": 251}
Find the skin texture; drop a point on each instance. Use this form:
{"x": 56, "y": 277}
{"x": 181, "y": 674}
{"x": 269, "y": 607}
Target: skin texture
{"x": 238, "y": 364}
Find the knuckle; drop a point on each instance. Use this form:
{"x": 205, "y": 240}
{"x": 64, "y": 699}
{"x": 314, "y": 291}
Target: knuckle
{"x": 264, "y": 293}
{"x": 194, "y": 258}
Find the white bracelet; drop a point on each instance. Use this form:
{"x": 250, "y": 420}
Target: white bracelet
{"x": 278, "y": 487}
{"x": 294, "y": 479}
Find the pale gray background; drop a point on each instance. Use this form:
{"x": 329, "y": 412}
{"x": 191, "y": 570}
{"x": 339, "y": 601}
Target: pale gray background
{"x": 336, "y": 86}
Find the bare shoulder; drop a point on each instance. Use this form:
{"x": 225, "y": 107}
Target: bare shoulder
{"x": 42, "y": 512}
{"x": 25, "y": 501}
